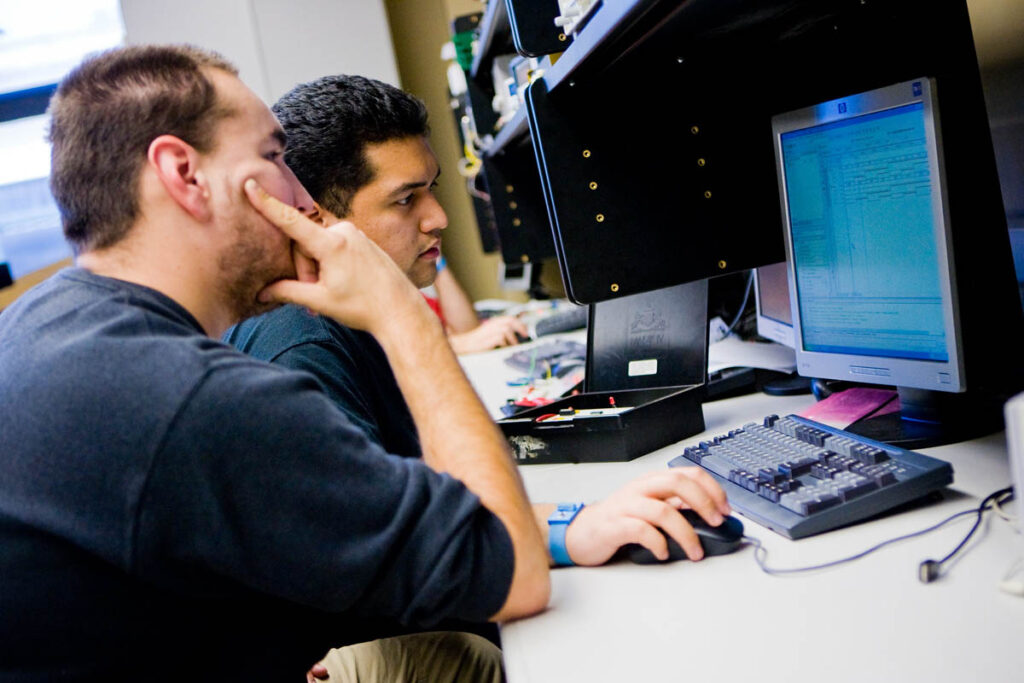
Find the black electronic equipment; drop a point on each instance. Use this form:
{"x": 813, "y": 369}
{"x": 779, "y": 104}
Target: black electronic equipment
{"x": 646, "y": 362}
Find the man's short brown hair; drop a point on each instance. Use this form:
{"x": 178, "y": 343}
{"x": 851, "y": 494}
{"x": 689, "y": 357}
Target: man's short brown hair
{"x": 103, "y": 117}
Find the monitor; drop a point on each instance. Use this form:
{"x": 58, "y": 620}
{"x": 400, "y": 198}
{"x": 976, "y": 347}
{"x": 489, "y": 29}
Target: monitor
{"x": 873, "y": 273}
{"x": 772, "y": 305}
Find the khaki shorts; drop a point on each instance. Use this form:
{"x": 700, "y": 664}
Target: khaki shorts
{"x": 439, "y": 657}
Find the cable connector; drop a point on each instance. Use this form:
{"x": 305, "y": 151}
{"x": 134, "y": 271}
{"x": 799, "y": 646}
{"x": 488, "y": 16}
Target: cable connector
{"x": 928, "y": 571}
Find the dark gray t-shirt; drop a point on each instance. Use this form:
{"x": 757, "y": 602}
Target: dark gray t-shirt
{"x": 170, "y": 503}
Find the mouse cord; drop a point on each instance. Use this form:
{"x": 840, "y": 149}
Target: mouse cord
{"x": 993, "y": 499}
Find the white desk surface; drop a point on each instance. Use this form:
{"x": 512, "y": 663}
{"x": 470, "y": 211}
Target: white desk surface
{"x": 723, "y": 619}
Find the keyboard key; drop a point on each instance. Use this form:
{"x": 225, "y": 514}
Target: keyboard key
{"x": 797, "y": 468}
{"x": 858, "y": 489}
{"x": 820, "y": 503}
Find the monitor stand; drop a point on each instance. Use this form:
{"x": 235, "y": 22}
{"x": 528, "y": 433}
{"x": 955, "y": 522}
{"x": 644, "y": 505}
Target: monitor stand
{"x": 933, "y": 418}
{"x": 787, "y": 385}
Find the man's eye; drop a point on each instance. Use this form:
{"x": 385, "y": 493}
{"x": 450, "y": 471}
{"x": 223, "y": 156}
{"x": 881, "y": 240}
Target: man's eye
{"x": 405, "y": 201}
{"x": 273, "y": 156}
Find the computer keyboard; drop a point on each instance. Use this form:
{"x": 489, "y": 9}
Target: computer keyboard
{"x": 800, "y": 478}
{"x": 549, "y": 358}
{"x": 571, "y": 318}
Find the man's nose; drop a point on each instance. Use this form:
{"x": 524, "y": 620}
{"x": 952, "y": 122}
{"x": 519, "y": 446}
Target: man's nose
{"x": 435, "y": 218}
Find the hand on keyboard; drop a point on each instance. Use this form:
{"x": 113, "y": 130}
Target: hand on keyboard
{"x": 492, "y": 333}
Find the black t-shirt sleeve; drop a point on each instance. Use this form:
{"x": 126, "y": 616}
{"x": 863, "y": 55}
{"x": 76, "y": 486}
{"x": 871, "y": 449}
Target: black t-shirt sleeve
{"x": 335, "y": 369}
{"x": 263, "y": 485}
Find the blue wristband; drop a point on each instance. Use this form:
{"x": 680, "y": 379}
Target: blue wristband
{"x": 558, "y": 523}
{"x": 441, "y": 263}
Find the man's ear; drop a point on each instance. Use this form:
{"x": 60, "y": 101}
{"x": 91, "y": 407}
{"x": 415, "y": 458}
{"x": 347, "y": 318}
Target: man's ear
{"x": 176, "y": 164}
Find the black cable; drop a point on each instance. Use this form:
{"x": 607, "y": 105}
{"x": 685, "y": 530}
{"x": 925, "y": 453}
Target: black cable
{"x": 760, "y": 554}
{"x": 929, "y": 570}
{"x": 743, "y": 305}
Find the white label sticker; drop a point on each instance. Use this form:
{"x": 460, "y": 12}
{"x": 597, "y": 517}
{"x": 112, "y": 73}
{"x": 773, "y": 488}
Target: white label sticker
{"x": 638, "y": 368}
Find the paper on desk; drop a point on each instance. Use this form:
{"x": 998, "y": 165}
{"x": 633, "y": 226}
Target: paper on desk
{"x": 843, "y": 408}
{"x": 733, "y": 352}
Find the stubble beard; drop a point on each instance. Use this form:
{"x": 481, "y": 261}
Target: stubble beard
{"x": 248, "y": 266}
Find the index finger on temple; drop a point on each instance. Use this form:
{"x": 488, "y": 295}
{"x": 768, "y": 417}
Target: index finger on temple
{"x": 288, "y": 219}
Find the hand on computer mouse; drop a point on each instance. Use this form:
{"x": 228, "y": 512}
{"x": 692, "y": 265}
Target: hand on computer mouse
{"x": 646, "y": 511}
{"x": 715, "y": 540}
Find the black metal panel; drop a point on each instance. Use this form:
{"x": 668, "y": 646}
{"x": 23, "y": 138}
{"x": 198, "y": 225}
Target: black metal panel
{"x": 479, "y": 105}
{"x": 652, "y": 339}
{"x": 518, "y": 205}
{"x": 487, "y": 226}
{"x": 494, "y": 39}
{"x": 477, "y": 186}
{"x": 533, "y": 27}
{"x": 644, "y": 194}
{"x": 726, "y": 67}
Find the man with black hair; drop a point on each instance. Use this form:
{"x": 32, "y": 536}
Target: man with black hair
{"x": 360, "y": 147}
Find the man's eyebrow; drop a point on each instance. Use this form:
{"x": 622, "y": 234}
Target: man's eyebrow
{"x": 280, "y": 136}
{"x": 405, "y": 187}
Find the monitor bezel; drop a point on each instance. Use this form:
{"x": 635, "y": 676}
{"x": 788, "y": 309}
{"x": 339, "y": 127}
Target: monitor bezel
{"x": 947, "y": 376}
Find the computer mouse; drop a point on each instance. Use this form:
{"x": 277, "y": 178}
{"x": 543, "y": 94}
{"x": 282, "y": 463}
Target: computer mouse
{"x": 716, "y": 540}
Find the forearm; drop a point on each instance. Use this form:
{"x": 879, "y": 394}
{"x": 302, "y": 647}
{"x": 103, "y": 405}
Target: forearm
{"x": 460, "y": 438}
{"x": 346, "y": 276}
{"x": 456, "y": 307}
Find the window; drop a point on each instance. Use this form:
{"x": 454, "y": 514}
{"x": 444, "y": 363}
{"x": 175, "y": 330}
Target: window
{"x": 39, "y": 43}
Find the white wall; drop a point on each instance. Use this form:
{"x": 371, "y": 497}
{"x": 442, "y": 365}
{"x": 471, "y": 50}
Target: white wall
{"x": 275, "y": 44}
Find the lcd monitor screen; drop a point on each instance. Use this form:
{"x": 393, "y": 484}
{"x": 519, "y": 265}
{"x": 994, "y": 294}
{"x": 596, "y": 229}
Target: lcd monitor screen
{"x": 868, "y": 239}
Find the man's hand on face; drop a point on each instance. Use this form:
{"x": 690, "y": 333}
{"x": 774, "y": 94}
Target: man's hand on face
{"x": 341, "y": 272}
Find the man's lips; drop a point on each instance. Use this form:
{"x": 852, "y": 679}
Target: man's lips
{"x": 431, "y": 253}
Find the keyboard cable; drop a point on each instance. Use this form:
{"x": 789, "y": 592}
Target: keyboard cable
{"x": 928, "y": 571}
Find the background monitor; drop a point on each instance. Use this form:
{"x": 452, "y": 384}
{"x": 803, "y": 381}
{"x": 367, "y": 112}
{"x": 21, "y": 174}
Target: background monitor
{"x": 874, "y": 273}
{"x": 772, "y": 304}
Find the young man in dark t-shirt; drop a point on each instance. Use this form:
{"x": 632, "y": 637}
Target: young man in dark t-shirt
{"x": 172, "y": 509}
